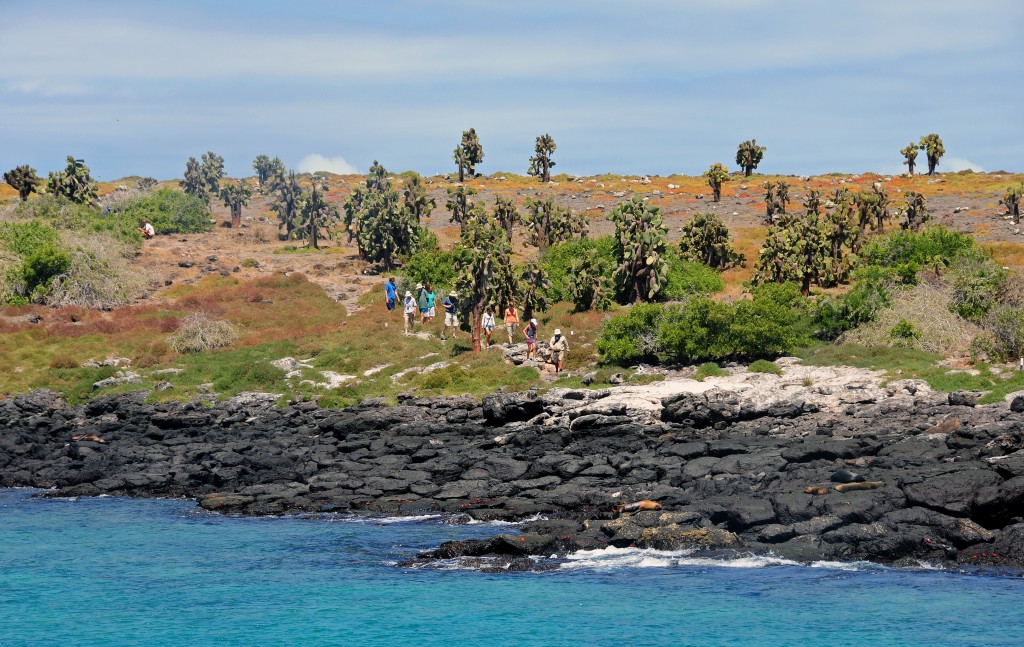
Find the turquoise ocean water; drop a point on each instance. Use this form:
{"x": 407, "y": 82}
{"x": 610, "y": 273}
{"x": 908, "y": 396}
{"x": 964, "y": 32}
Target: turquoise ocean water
{"x": 112, "y": 571}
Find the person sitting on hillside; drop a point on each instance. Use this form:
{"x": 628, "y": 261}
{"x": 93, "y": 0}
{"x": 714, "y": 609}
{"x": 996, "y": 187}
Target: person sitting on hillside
{"x": 451, "y": 318}
{"x": 410, "y": 312}
{"x": 146, "y": 230}
{"x": 531, "y": 339}
{"x": 487, "y": 324}
{"x": 559, "y": 347}
{"x": 391, "y": 294}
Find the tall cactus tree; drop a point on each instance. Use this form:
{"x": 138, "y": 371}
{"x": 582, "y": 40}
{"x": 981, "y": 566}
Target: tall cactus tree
{"x": 236, "y": 196}
{"x": 506, "y": 214}
{"x": 533, "y": 286}
{"x": 915, "y": 214}
{"x": 872, "y": 206}
{"x": 706, "y": 240}
{"x": 288, "y": 204}
{"x": 909, "y": 157}
{"x": 748, "y": 156}
{"x": 549, "y": 224}
{"x": 639, "y": 248}
{"x": 541, "y": 162}
{"x": 776, "y": 196}
{"x": 193, "y": 183}
{"x": 468, "y": 154}
{"x": 588, "y": 284}
{"x": 267, "y": 170}
{"x": 24, "y": 180}
{"x": 459, "y": 203}
{"x": 383, "y": 228}
{"x": 74, "y": 183}
{"x": 317, "y": 215}
{"x": 213, "y": 172}
{"x": 484, "y": 265}
{"x": 414, "y": 194}
{"x": 933, "y": 150}
{"x": 717, "y": 175}
{"x": 1012, "y": 202}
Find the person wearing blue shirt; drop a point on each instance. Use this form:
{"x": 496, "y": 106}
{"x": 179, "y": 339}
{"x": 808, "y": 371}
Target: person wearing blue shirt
{"x": 391, "y": 294}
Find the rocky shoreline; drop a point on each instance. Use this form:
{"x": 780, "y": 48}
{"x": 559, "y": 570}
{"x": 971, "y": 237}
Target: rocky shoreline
{"x": 744, "y": 464}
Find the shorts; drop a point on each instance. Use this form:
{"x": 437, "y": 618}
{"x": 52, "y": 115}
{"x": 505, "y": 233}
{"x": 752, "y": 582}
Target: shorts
{"x": 423, "y": 311}
{"x": 391, "y": 304}
{"x": 556, "y": 356}
{"x": 410, "y": 317}
{"x": 510, "y": 328}
{"x": 488, "y": 328}
{"x": 451, "y": 319}
{"x": 431, "y": 312}
{"x": 531, "y": 342}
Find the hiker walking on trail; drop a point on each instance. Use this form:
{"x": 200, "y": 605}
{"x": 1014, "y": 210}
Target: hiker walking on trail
{"x": 391, "y": 294}
{"x": 431, "y": 297}
{"x": 487, "y": 323}
{"x": 531, "y": 339}
{"x": 423, "y": 302}
{"x": 451, "y": 318}
{"x": 511, "y": 322}
{"x": 559, "y": 347}
{"x": 410, "y": 312}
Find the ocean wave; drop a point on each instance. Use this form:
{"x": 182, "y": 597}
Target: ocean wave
{"x": 616, "y": 558}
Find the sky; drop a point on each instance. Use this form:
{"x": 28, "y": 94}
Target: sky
{"x": 644, "y": 87}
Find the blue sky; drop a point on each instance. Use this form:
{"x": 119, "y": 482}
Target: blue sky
{"x": 651, "y": 86}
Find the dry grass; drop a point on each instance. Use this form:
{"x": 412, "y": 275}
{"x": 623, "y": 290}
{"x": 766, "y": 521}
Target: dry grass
{"x": 927, "y": 308}
{"x": 200, "y": 333}
{"x": 100, "y": 275}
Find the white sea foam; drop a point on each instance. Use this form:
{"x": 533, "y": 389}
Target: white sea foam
{"x": 616, "y": 558}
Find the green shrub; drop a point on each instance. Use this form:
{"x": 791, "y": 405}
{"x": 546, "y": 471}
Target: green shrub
{"x": 977, "y": 282}
{"x": 764, "y": 366}
{"x": 696, "y": 330}
{"x": 772, "y": 323}
{"x": 430, "y": 266}
{"x": 24, "y": 238}
{"x": 40, "y": 268}
{"x": 870, "y": 293}
{"x": 926, "y": 248}
{"x": 904, "y": 334}
{"x": 557, "y": 260}
{"x": 249, "y": 262}
{"x": 686, "y": 278}
{"x": 708, "y": 369}
{"x": 169, "y": 211}
{"x": 631, "y": 337}
{"x": 62, "y": 214}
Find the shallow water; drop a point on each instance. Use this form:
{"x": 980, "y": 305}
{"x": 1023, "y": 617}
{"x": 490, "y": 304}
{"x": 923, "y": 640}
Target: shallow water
{"x": 110, "y": 571}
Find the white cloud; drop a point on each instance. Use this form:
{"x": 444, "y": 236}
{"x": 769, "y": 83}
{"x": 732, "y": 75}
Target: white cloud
{"x": 337, "y": 165}
{"x": 954, "y": 164}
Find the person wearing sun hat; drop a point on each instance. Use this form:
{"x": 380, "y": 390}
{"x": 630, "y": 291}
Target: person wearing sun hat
{"x": 410, "y": 311}
{"x": 451, "y": 317}
{"x": 559, "y": 347}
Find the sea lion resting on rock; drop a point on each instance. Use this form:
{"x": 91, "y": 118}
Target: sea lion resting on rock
{"x": 92, "y": 437}
{"x": 637, "y": 506}
{"x": 846, "y": 476}
{"x": 817, "y": 491}
{"x": 863, "y": 485}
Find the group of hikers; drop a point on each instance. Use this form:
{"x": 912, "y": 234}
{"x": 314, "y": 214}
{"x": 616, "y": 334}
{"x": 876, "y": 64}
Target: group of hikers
{"x": 423, "y": 304}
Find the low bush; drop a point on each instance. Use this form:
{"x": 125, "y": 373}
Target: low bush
{"x": 708, "y": 369}
{"x": 904, "y": 334}
{"x": 62, "y": 214}
{"x": 764, "y": 366}
{"x": 870, "y": 293}
{"x": 98, "y": 275}
{"x": 169, "y": 211}
{"x": 773, "y": 322}
{"x": 198, "y": 333}
{"x": 1005, "y": 326}
{"x": 977, "y": 282}
{"x": 429, "y": 266}
{"x": 934, "y": 246}
{"x": 557, "y": 260}
{"x": 686, "y": 277}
